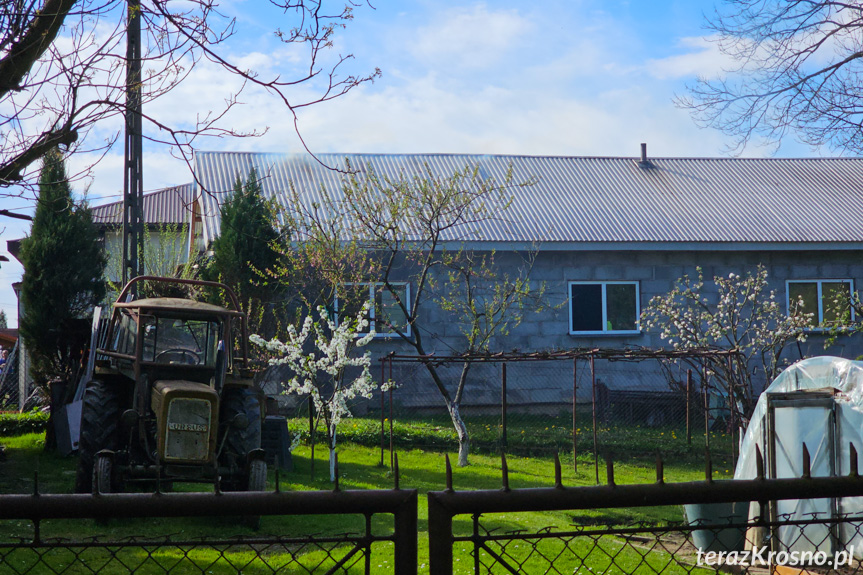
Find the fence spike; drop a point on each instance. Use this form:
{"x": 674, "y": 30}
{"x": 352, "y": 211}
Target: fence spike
{"x": 396, "y": 470}
{"x": 336, "y": 470}
{"x": 708, "y": 466}
{"x": 853, "y": 460}
{"x": 35, "y": 483}
{"x": 504, "y": 471}
{"x": 558, "y": 474}
{"x": 609, "y": 469}
{"x": 759, "y": 463}
{"x": 660, "y": 474}
{"x": 807, "y": 463}
{"x": 278, "y": 475}
{"x": 448, "y": 473}
{"x": 158, "y": 479}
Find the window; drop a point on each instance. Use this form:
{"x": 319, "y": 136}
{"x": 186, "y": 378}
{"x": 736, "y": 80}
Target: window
{"x": 386, "y": 318}
{"x": 180, "y": 341}
{"x": 828, "y": 301}
{"x": 603, "y": 307}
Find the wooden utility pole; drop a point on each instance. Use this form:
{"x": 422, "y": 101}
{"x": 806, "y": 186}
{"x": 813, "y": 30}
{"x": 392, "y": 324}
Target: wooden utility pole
{"x": 133, "y": 174}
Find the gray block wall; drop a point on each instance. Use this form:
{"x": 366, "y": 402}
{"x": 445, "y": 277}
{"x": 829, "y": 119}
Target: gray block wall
{"x": 551, "y": 382}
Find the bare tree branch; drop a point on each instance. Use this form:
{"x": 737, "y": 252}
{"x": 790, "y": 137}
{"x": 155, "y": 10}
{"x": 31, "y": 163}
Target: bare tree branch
{"x": 62, "y": 73}
{"x": 798, "y": 69}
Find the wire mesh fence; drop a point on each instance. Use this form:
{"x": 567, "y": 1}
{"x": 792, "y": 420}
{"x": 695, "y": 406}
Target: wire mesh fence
{"x": 369, "y": 532}
{"x": 599, "y": 549}
{"x": 9, "y": 393}
{"x": 590, "y": 403}
{"x": 743, "y": 526}
{"x": 346, "y": 553}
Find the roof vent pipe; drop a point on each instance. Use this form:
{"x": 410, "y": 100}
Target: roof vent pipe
{"x": 643, "y": 153}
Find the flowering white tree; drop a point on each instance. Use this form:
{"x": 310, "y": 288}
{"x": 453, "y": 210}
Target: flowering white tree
{"x": 321, "y": 357}
{"x": 743, "y": 315}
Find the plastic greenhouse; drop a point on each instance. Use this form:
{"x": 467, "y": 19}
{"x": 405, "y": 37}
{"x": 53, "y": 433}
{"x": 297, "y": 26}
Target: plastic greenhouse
{"x": 817, "y": 402}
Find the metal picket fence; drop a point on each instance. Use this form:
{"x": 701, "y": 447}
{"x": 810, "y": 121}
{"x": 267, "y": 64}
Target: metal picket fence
{"x": 361, "y": 545}
{"x": 733, "y": 527}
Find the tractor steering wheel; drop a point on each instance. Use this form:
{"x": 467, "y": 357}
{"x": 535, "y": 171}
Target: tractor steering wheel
{"x": 184, "y": 356}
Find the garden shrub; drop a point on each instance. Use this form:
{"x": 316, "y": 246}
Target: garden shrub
{"x": 13, "y": 424}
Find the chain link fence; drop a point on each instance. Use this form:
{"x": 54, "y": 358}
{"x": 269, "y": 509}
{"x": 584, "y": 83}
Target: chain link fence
{"x": 728, "y": 526}
{"x": 637, "y": 548}
{"x": 10, "y": 397}
{"x": 370, "y": 532}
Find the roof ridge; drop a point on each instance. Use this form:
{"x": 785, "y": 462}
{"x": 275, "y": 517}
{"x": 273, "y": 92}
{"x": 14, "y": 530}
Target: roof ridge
{"x": 535, "y": 156}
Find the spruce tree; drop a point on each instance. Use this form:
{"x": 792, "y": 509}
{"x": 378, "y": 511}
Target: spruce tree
{"x": 64, "y": 265}
{"x": 246, "y": 245}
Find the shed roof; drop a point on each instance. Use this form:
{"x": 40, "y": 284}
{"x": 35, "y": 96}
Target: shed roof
{"x": 596, "y": 200}
{"x": 166, "y": 206}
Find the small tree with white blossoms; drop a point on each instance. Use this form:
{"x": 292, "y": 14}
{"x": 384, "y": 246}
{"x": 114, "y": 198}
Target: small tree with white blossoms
{"x": 743, "y": 315}
{"x": 321, "y": 357}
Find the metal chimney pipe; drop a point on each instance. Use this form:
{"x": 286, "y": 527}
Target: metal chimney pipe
{"x": 643, "y": 153}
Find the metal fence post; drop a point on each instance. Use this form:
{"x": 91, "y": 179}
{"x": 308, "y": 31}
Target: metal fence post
{"x": 595, "y": 440}
{"x": 688, "y": 407}
{"x": 383, "y": 393}
{"x": 405, "y": 532}
{"x": 574, "y": 416}
{"x": 440, "y": 537}
{"x": 503, "y": 408}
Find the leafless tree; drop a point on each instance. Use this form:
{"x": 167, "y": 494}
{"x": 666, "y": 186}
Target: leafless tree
{"x": 798, "y": 70}
{"x": 62, "y": 71}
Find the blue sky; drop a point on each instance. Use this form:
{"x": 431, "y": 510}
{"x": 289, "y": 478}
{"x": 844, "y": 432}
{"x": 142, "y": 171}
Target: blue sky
{"x": 585, "y": 78}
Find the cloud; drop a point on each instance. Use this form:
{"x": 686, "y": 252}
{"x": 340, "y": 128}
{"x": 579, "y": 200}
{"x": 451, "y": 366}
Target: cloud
{"x": 702, "y": 58}
{"x": 472, "y": 37}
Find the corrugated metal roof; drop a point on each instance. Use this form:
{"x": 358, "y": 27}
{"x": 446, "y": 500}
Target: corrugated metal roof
{"x": 167, "y": 206}
{"x": 598, "y": 199}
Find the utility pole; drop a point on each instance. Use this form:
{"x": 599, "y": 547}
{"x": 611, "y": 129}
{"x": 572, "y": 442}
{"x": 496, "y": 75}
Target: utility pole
{"x": 133, "y": 175}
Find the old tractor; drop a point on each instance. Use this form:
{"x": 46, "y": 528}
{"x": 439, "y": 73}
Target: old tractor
{"x": 168, "y": 401}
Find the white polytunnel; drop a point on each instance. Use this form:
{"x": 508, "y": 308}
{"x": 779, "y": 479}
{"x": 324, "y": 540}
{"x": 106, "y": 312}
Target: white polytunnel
{"x": 817, "y": 402}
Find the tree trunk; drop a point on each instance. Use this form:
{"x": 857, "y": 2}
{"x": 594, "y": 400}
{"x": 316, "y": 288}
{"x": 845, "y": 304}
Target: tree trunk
{"x": 461, "y": 430}
{"x": 332, "y": 442}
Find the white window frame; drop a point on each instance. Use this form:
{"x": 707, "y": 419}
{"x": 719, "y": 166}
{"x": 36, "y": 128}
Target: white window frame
{"x": 818, "y": 283}
{"x": 371, "y": 296}
{"x": 604, "y": 284}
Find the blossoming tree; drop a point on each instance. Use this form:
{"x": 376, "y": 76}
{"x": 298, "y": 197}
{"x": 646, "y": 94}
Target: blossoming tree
{"x": 321, "y": 355}
{"x": 743, "y": 315}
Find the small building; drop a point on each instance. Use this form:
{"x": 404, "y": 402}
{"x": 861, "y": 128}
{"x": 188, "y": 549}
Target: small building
{"x": 611, "y": 233}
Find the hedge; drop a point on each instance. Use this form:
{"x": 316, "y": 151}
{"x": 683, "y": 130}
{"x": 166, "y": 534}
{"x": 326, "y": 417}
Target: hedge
{"x": 12, "y": 424}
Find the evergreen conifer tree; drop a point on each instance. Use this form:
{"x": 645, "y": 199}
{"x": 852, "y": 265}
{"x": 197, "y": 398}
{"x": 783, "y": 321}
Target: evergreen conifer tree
{"x": 246, "y": 245}
{"x": 64, "y": 265}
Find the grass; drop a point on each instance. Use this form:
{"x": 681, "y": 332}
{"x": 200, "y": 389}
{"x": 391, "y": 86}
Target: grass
{"x": 359, "y": 469}
{"x": 534, "y": 435}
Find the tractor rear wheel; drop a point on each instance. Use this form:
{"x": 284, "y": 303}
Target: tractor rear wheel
{"x": 100, "y": 429}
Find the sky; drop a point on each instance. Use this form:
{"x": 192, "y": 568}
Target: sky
{"x": 564, "y": 78}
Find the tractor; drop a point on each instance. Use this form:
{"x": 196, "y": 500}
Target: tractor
{"x": 168, "y": 401}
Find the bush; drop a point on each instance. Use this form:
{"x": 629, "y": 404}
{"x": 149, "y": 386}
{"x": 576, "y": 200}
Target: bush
{"x": 12, "y": 424}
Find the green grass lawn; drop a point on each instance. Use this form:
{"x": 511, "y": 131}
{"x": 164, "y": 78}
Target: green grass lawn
{"x": 423, "y": 470}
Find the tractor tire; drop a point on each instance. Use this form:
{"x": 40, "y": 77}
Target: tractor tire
{"x": 240, "y": 442}
{"x": 103, "y": 475}
{"x": 257, "y": 475}
{"x": 100, "y": 429}
{"x": 255, "y": 481}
